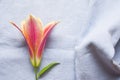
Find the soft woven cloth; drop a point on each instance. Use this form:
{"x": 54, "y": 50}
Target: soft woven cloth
{"x": 85, "y": 42}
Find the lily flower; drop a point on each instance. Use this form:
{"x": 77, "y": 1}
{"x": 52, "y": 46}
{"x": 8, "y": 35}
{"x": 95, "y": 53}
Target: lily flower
{"x": 35, "y": 36}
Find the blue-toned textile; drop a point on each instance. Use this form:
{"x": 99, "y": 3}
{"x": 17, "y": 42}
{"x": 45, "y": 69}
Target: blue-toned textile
{"x": 86, "y": 42}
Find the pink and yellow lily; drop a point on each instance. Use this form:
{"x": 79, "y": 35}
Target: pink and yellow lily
{"x": 35, "y": 35}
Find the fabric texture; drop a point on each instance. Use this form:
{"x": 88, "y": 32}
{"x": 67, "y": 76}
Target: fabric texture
{"x": 86, "y": 42}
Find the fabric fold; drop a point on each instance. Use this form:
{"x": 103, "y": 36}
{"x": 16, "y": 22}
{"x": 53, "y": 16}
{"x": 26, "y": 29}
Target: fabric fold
{"x": 103, "y": 37}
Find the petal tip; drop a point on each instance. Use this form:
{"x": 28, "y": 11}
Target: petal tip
{"x": 56, "y": 22}
{"x": 13, "y": 23}
{"x": 31, "y": 16}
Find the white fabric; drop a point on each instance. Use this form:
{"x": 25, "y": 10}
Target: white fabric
{"x": 86, "y": 42}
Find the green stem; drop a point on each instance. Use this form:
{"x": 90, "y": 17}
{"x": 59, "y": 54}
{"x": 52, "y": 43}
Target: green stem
{"x": 36, "y": 70}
